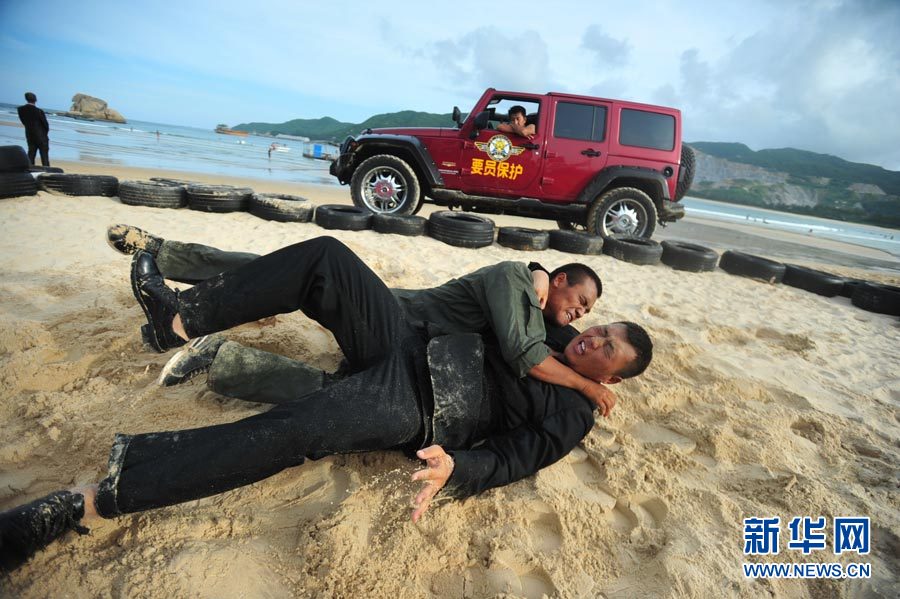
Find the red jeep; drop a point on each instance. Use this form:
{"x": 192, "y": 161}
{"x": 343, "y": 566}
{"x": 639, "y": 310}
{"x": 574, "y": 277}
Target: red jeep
{"x": 612, "y": 167}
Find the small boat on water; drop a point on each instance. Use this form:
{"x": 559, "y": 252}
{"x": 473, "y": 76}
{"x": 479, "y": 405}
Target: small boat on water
{"x": 226, "y": 130}
{"x": 277, "y": 147}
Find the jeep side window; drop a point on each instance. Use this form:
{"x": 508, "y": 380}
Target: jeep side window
{"x": 580, "y": 121}
{"x": 647, "y": 129}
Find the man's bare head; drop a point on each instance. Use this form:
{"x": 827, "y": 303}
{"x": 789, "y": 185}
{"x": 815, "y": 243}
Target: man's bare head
{"x": 611, "y": 352}
{"x": 573, "y": 290}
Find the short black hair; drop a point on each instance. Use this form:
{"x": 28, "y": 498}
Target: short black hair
{"x": 30, "y": 97}
{"x": 516, "y": 109}
{"x": 576, "y": 272}
{"x": 640, "y": 340}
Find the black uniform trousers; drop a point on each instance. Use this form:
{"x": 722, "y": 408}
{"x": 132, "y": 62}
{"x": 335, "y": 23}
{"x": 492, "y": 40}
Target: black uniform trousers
{"x": 379, "y": 407}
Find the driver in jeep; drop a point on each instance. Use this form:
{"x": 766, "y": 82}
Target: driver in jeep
{"x": 517, "y": 124}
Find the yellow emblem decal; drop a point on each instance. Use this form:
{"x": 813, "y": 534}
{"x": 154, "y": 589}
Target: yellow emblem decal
{"x": 499, "y": 148}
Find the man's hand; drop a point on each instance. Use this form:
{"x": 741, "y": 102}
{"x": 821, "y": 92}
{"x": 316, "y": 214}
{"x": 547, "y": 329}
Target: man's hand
{"x": 439, "y": 467}
{"x": 603, "y": 398}
{"x": 541, "y": 286}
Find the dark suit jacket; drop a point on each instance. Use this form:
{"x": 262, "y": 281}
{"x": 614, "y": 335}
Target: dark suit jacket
{"x": 35, "y": 121}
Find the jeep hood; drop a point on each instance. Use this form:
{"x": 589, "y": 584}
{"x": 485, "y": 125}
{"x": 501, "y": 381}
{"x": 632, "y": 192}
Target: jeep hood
{"x": 419, "y": 131}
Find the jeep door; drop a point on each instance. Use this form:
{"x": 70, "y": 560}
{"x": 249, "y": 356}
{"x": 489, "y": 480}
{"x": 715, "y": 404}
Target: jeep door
{"x": 577, "y": 147}
{"x": 496, "y": 163}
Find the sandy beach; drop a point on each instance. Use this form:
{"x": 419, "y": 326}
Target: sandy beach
{"x": 762, "y": 400}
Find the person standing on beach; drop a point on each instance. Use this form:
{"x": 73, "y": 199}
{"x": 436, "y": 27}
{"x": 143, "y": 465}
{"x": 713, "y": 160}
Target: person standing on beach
{"x": 37, "y": 129}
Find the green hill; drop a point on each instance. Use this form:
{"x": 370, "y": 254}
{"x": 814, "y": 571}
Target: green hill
{"x": 803, "y": 164}
{"x": 327, "y": 128}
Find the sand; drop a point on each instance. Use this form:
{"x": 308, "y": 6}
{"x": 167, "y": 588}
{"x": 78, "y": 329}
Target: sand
{"x": 763, "y": 400}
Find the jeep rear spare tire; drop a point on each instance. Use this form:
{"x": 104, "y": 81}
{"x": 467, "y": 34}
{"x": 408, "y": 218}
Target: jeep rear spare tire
{"x": 686, "y": 172}
{"x": 462, "y": 229}
{"x": 623, "y": 211}
{"x": 385, "y": 184}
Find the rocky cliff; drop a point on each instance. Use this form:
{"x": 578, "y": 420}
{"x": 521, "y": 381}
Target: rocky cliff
{"x": 838, "y": 196}
{"x": 84, "y": 106}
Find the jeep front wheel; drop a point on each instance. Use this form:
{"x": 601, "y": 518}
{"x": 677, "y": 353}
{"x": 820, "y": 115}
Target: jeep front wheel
{"x": 622, "y": 211}
{"x": 385, "y": 184}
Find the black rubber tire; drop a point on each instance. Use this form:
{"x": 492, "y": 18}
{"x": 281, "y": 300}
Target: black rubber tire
{"x": 850, "y": 286}
{"x": 461, "y": 229}
{"x": 13, "y": 159}
{"x": 567, "y": 225}
{"x": 45, "y": 169}
{"x": 218, "y": 198}
{"x": 636, "y": 250}
{"x": 14, "y": 185}
{"x": 873, "y": 297}
{"x": 405, "y": 204}
{"x": 281, "y": 207}
{"x": 170, "y": 181}
{"x": 79, "y": 185}
{"x": 411, "y": 226}
{"x": 601, "y": 206}
{"x": 755, "y": 267}
{"x": 690, "y": 257}
{"x": 345, "y": 218}
{"x": 521, "y": 238}
{"x": 686, "y": 172}
{"x": 576, "y": 242}
{"x": 152, "y": 193}
{"x": 814, "y": 281}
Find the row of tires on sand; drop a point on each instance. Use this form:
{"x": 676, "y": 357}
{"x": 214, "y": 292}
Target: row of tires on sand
{"x": 468, "y": 230}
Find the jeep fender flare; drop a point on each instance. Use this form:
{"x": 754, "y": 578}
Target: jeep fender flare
{"x": 407, "y": 147}
{"x": 647, "y": 180}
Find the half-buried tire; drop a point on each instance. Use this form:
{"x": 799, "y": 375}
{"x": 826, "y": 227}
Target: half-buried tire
{"x": 14, "y": 185}
{"x": 411, "y": 226}
{"x": 79, "y": 185}
{"x": 13, "y": 159}
{"x": 341, "y": 217}
{"x": 576, "y": 242}
{"x": 461, "y": 229}
{"x": 883, "y": 299}
{"x": 520, "y": 238}
{"x": 153, "y": 194}
{"x": 814, "y": 281}
{"x": 218, "y": 198}
{"x": 691, "y": 257}
{"x": 636, "y": 250}
{"x": 281, "y": 207}
{"x": 754, "y": 267}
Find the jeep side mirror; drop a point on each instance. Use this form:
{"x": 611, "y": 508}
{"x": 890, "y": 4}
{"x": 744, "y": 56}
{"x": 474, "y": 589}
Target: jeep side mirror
{"x": 481, "y": 122}
{"x": 457, "y": 117}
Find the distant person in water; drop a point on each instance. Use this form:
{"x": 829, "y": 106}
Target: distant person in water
{"x": 37, "y": 130}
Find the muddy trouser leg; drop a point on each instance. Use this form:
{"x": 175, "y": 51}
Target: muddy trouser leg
{"x": 255, "y": 375}
{"x": 374, "y": 409}
{"x": 194, "y": 262}
{"x": 321, "y": 277}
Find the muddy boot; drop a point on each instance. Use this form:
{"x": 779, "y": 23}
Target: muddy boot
{"x": 127, "y": 239}
{"x": 193, "y": 360}
{"x": 33, "y": 526}
{"x": 159, "y": 302}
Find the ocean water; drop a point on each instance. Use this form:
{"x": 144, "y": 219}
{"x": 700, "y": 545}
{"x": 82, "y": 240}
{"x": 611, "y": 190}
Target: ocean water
{"x": 190, "y": 149}
{"x": 879, "y": 238}
{"x": 187, "y": 149}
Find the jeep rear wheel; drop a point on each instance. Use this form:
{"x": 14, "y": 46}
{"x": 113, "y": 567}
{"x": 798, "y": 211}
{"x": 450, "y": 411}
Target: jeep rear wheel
{"x": 385, "y": 184}
{"x": 624, "y": 211}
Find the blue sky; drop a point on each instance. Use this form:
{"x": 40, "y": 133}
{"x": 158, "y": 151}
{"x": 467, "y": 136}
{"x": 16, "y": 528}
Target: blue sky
{"x": 821, "y": 75}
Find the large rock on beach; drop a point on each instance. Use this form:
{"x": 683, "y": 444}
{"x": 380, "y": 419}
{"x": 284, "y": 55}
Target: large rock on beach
{"x": 85, "y": 106}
